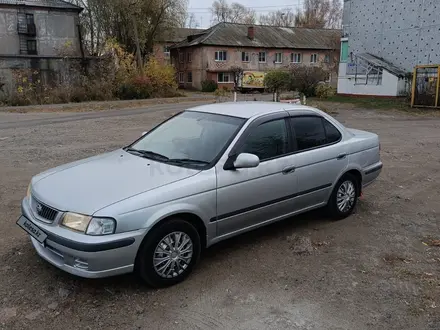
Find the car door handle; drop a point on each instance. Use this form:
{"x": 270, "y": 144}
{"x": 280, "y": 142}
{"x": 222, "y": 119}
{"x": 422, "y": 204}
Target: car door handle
{"x": 289, "y": 170}
{"x": 341, "y": 156}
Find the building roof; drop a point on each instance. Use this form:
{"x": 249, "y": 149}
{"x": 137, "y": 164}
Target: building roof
{"x": 177, "y": 34}
{"x": 236, "y": 35}
{"x": 58, "y": 4}
{"x": 381, "y": 63}
{"x": 248, "y": 109}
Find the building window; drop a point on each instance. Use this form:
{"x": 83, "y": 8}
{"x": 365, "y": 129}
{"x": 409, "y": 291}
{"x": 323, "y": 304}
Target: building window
{"x": 189, "y": 57}
{"x": 278, "y": 58}
{"x": 245, "y": 57}
{"x": 327, "y": 59}
{"x": 166, "y": 49}
{"x": 262, "y": 57}
{"x": 32, "y": 47}
{"x": 314, "y": 58}
{"x": 190, "y": 77}
{"x": 344, "y": 51}
{"x": 181, "y": 78}
{"x": 295, "y": 58}
{"x": 223, "y": 77}
{"x": 30, "y": 19}
{"x": 181, "y": 57}
{"x": 220, "y": 56}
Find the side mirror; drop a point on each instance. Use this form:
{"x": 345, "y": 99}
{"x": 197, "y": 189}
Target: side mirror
{"x": 143, "y": 133}
{"x": 245, "y": 160}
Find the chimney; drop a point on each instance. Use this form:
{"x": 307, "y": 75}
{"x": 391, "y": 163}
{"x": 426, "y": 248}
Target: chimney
{"x": 251, "y": 32}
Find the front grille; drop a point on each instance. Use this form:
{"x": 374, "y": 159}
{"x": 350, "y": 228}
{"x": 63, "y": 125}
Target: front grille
{"x": 43, "y": 211}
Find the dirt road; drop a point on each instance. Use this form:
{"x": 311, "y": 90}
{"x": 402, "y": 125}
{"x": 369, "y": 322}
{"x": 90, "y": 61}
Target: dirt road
{"x": 375, "y": 270}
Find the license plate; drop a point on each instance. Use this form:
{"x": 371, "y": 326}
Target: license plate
{"x": 32, "y": 229}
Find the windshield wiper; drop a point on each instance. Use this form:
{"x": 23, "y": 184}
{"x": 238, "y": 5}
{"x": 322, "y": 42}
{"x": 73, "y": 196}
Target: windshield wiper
{"x": 147, "y": 153}
{"x": 187, "y": 161}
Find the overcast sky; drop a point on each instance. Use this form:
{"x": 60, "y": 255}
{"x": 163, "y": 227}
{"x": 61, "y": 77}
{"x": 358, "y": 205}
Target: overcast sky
{"x": 203, "y": 16}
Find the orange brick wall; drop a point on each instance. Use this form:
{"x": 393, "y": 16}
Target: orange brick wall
{"x": 159, "y": 54}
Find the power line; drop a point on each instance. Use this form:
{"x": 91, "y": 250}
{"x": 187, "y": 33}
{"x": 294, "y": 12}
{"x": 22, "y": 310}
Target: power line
{"x": 257, "y": 11}
{"x": 254, "y": 7}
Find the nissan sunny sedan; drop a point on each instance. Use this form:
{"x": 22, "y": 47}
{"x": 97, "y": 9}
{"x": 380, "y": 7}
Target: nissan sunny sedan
{"x": 202, "y": 176}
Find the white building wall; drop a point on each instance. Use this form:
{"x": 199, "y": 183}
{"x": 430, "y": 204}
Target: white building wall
{"x": 390, "y": 86}
{"x": 403, "y": 32}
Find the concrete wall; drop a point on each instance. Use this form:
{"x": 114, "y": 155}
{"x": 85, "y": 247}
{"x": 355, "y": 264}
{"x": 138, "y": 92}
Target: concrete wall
{"x": 391, "y": 85}
{"x": 50, "y": 71}
{"x": 404, "y": 32}
{"x": 55, "y": 29}
{"x": 204, "y": 66}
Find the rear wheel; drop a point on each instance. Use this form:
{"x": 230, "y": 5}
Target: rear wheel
{"x": 344, "y": 197}
{"x": 169, "y": 253}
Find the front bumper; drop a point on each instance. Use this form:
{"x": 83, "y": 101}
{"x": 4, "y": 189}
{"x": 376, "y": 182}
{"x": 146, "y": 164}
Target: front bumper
{"x": 84, "y": 255}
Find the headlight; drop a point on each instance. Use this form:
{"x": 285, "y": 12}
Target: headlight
{"x": 28, "y": 193}
{"x": 88, "y": 225}
{"x": 76, "y": 221}
{"x": 103, "y": 226}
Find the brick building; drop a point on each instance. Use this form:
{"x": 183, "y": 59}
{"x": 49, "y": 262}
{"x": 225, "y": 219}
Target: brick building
{"x": 210, "y": 54}
{"x": 170, "y": 37}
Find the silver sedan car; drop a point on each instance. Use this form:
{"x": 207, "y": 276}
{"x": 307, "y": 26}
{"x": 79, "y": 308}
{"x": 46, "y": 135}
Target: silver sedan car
{"x": 202, "y": 176}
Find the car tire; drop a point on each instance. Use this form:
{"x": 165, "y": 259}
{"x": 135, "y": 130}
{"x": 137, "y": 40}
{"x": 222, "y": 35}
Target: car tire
{"x": 159, "y": 248}
{"x": 344, "y": 197}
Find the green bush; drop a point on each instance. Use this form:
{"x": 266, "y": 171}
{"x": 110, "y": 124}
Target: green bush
{"x": 306, "y": 78}
{"x": 136, "y": 88}
{"x": 324, "y": 91}
{"x": 277, "y": 80}
{"x": 209, "y": 86}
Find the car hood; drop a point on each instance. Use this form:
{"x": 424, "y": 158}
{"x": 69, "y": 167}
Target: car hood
{"x": 91, "y": 184}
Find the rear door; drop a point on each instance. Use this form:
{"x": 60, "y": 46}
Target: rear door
{"x": 321, "y": 157}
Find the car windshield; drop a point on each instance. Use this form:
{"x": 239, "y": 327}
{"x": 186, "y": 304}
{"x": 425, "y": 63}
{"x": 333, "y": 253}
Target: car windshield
{"x": 190, "y": 138}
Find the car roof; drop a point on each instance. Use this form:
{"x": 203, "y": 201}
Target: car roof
{"x": 249, "y": 109}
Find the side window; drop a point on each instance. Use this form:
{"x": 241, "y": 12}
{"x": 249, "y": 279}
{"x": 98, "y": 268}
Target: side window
{"x": 268, "y": 140}
{"x": 332, "y": 133}
{"x": 309, "y": 132}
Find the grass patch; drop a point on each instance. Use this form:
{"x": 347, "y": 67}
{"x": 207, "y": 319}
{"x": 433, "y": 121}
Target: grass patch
{"x": 369, "y": 102}
{"x": 380, "y": 104}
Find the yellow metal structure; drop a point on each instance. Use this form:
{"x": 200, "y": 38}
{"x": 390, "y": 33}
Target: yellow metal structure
{"x": 426, "y": 86}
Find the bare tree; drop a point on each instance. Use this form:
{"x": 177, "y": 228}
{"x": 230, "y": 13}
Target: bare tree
{"x": 192, "y": 22}
{"x": 284, "y": 18}
{"x": 319, "y": 14}
{"x": 234, "y": 13}
{"x": 129, "y": 21}
{"x": 241, "y": 14}
{"x": 237, "y": 74}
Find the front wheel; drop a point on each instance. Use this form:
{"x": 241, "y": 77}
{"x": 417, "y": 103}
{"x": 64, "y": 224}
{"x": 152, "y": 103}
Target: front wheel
{"x": 344, "y": 197}
{"x": 169, "y": 253}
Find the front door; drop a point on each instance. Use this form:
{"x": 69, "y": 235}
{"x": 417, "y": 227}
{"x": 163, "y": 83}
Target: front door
{"x": 248, "y": 197}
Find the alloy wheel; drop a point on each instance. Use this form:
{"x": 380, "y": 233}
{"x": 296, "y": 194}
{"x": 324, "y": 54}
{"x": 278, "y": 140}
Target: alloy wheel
{"x": 173, "y": 255}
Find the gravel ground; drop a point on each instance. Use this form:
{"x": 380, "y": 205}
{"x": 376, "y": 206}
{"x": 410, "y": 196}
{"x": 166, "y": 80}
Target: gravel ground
{"x": 378, "y": 269}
